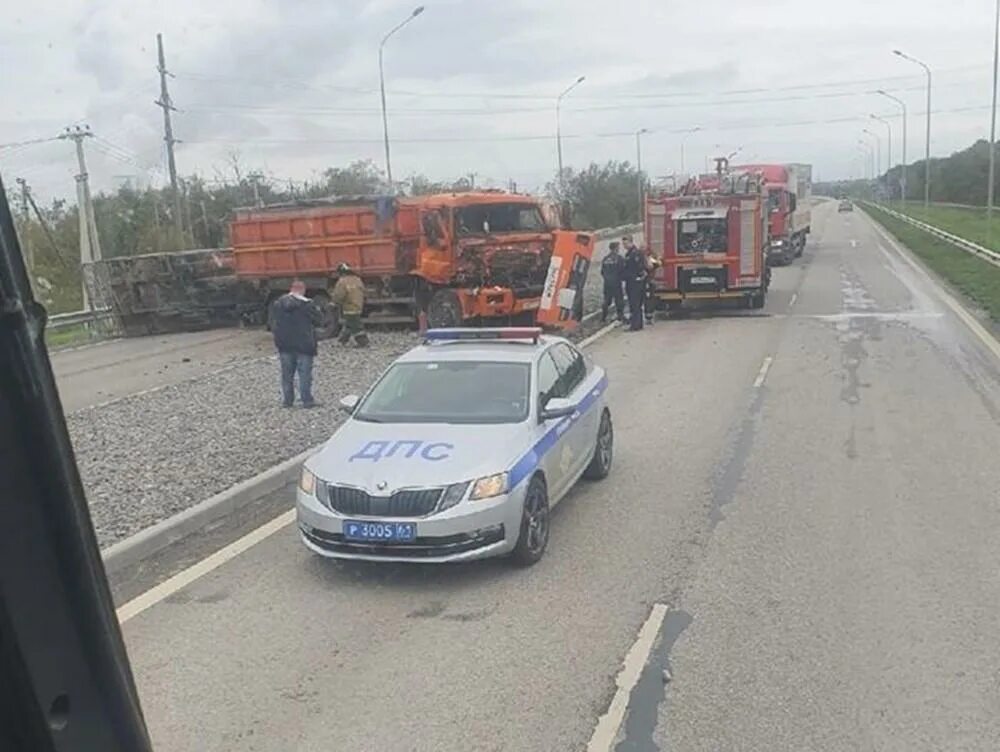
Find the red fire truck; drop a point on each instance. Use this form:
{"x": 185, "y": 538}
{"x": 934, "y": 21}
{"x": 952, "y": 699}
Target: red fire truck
{"x": 710, "y": 237}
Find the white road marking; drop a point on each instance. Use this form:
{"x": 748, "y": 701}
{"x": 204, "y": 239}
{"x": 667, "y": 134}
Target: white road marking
{"x": 795, "y": 296}
{"x": 957, "y": 308}
{"x": 186, "y": 576}
{"x": 598, "y": 334}
{"x": 762, "y": 373}
{"x": 212, "y": 562}
{"x": 608, "y": 724}
{"x": 854, "y": 244}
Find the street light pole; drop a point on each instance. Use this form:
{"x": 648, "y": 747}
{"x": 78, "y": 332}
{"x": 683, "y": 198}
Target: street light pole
{"x": 927, "y": 147}
{"x": 381, "y": 80}
{"x": 638, "y": 164}
{"x": 878, "y": 151}
{"x": 993, "y": 127}
{"x": 565, "y": 91}
{"x": 902, "y": 104}
{"x": 888, "y": 158}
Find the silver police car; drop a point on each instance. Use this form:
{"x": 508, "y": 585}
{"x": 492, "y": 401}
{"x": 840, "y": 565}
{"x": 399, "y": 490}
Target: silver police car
{"x": 459, "y": 451}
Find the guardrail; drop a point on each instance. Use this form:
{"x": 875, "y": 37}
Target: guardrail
{"x": 966, "y": 245}
{"x": 63, "y": 320}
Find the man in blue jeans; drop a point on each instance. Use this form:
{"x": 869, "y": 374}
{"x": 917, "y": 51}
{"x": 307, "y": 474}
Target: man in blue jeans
{"x": 293, "y": 322}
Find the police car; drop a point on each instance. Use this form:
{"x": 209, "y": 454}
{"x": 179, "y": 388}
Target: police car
{"x": 459, "y": 451}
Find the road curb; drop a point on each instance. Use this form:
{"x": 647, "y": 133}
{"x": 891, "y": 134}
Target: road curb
{"x": 154, "y": 539}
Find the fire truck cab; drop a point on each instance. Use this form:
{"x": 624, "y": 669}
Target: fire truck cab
{"x": 711, "y": 239}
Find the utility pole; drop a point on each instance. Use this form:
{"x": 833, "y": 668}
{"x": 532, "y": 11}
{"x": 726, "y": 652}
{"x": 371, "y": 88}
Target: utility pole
{"x": 993, "y": 128}
{"x": 29, "y": 255}
{"x": 187, "y": 211}
{"x": 90, "y": 243}
{"x": 168, "y": 137}
{"x": 253, "y": 177}
{"x": 204, "y": 224}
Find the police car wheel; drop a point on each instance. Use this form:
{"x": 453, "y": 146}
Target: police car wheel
{"x": 604, "y": 450}
{"x": 534, "y": 535}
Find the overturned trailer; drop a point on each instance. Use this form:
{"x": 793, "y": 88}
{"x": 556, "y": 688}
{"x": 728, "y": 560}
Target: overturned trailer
{"x": 178, "y": 291}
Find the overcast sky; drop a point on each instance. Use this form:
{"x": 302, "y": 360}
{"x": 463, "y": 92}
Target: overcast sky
{"x": 292, "y": 87}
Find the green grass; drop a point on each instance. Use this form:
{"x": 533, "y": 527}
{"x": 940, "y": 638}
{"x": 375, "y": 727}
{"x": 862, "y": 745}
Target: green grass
{"x": 976, "y": 279}
{"x": 67, "y": 336}
{"x": 966, "y": 223}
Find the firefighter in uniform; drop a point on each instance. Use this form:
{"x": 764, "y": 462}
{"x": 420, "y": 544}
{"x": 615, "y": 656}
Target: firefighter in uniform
{"x": 612, "y": 271}
{"x": 349, "y": 296}
{"x": 635, "y": 282}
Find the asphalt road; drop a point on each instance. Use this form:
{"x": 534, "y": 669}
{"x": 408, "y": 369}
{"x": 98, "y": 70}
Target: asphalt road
{"x": 810, "y": 493}
{"x": 94, "y": 374}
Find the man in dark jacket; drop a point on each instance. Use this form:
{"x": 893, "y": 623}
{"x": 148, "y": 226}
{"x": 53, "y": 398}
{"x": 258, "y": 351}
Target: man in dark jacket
{"x": 635, "y": 282}
{"x": 612, "y": 270}
{"x": 293, "y": 322}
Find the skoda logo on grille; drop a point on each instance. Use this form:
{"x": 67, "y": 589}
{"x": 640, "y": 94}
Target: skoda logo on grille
{"x": 381, "y": 485}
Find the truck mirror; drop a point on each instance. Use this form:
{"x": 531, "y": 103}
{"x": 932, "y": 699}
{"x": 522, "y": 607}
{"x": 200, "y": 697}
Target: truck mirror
{"x": 791, "y": 202}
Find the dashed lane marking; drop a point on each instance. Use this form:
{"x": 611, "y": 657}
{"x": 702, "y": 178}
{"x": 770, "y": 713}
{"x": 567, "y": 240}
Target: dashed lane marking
{"x": 762, "y": 373}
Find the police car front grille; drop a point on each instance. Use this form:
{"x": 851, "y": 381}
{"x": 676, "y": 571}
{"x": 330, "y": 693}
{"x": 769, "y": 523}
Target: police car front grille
{"x": 407, "y": 503}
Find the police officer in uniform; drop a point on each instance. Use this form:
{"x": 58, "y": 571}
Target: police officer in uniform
{"x": 613, "y": 273}
{"x": 635, "y": 282}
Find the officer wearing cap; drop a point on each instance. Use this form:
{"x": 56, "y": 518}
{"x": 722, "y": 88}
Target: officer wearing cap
{"x": 349, "y": 295}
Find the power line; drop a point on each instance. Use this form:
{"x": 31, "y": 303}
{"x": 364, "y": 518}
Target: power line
{"x": 546, "y": 97}
{"x": 404, "y": 111}
{"x": 548, "y": 137}
{"x": 30, "y": 142}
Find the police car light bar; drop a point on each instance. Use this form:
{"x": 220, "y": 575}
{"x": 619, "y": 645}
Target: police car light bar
{"x": 527, "y": 333}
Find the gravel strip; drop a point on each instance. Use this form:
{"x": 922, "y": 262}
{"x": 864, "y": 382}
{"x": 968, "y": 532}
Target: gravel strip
{"x": 147, "y": 457}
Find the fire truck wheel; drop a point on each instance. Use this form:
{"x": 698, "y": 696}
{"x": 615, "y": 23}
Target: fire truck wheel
{"x": 757, "y": 300}
{"x": 444, "y": 310}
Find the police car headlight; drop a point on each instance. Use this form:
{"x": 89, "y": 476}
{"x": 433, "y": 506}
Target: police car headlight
{"x": 491, "y": 485}
{"x": 307, "y": 482}
{"x": 452, "y": 495}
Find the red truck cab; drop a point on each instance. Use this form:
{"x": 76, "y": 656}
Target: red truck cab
{"x": 788, "y": 194}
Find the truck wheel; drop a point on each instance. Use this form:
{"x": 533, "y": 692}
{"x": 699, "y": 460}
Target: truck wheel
{"x": 758, "y": 299}
{"x": 330, "y": 317}
{"x": 444, "y": 310}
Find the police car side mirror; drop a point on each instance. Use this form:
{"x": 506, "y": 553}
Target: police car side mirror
{"x": 557, "y": 407}
{"x": 348, "y": 403}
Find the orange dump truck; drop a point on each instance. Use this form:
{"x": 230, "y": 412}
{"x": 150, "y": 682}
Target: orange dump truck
{"x": 455, "y": 258}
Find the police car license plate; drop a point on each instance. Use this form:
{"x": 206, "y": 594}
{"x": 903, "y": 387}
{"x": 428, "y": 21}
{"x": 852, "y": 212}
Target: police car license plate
{"x": 384, "y": 532}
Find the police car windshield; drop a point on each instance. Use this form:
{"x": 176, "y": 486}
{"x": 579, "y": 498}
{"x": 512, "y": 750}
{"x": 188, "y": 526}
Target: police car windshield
{"x": 449, "y": 392}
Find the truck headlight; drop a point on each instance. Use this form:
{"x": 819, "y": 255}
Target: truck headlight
{"x": 307, "y": 482}
{"x": 491, "y": 485}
